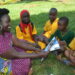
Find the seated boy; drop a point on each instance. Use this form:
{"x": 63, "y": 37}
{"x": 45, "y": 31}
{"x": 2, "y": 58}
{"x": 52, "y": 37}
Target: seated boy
{"x": 50, "y": 27}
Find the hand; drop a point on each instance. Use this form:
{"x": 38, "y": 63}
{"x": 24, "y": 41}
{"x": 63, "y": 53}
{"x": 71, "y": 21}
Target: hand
{"x": 43, "y": 54}
{"x": 63, "y": 45}
{"x": 40, "y": 38}
{"x": 36, "y": 37}
{"x": 37, "y": 46}
{"x": 46, "y": 40}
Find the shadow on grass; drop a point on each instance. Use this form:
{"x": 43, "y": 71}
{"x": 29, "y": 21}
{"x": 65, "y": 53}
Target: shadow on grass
{"x": 29, "y": 1}
{"x": 40, "y": 19}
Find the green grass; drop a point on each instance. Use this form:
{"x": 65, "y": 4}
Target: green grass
{"x": 39, "y": 15}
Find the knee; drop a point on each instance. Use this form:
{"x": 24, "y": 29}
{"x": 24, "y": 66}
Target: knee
{"x": 66, "y": 53}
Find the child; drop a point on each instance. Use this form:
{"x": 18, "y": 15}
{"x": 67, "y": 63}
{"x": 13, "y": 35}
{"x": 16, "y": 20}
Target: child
{"x": 14, "y": 49}
{"x": 63, "y": 35}
{"x": 52, "y": 24}
{"x": 26, "y": 29}
{"x": 50, "y": 27}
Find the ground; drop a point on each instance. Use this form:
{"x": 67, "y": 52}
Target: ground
{"x": 39, "y": 15}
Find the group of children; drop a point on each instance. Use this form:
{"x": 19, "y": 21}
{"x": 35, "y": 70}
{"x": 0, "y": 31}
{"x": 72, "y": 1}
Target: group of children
{"x": 54, "y": 27}
{"x": 30, "y": 45}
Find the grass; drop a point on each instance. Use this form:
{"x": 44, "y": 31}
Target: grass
{"x": 39, "y": 14}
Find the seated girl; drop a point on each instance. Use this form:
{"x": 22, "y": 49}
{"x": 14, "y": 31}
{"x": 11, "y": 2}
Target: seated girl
{"x": 64, "y": 35}
{"x": 12, "y": 50}
{"x": 26, "y": 29}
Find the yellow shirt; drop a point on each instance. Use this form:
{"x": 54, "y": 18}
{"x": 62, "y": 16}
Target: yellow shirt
{"x": 50, "y": 28}
{"x": 27, "y": 36}
{"x": 72, "y": 44}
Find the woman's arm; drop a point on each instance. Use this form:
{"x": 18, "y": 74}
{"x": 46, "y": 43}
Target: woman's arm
{"x": 13, "y": 54}
{"x": 23, "y": 45}
{"x": 36, "y": 37}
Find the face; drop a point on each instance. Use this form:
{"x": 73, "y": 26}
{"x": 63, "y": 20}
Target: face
{"x": 5, "y": 22}
{"x": 62, "y": 25}
{"x": 25, "y": 18}
{"x": 52, "y": 15}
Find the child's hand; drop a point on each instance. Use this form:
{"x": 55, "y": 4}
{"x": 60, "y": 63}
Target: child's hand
{"x": 37, "y": 46}
{"x": 40, "y": 38}
{"x": 45, "y": 40}
{"x": 36, "y": 37}
{"x": 63, "y": 45}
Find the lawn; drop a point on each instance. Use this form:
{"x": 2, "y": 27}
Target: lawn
{"x": 39, "y": 14}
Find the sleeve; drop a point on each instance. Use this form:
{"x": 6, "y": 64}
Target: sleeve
{"x": 54, "y": 28}
{"x": 47, "y": 34}
{"x": 72, "y": 44}
{"x": 34, "y": 31}
{"x": 47, "y": 30}
{"x": 19, "y": 34}
{"x": 46, "y": 26}
{"x": 54, "y": 35}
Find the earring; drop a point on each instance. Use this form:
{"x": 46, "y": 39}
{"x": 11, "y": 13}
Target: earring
{"x": 0, "y": 27}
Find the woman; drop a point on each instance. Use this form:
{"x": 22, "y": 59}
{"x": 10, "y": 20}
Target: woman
{"x": 12, "y": 51}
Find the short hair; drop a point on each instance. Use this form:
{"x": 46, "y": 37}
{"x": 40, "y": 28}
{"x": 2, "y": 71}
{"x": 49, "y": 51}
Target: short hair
{"x": 64, "y": 19}
{"x": 53, "y": 9}
{"x": 3, "y": 11}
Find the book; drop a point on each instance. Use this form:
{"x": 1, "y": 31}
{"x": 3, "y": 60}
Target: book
{"x": 52, "y": 46}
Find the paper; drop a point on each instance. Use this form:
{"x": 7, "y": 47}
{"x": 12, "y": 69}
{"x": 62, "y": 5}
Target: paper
{"x": 53, "y": 45}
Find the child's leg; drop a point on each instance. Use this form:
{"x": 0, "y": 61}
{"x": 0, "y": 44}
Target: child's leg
{"x": 70, "y": 57}
{"x": 30, "y": 72}
{"x": 67, "y": 53}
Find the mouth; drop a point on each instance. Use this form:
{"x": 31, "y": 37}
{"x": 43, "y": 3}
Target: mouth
{"x": 9, "y": 27}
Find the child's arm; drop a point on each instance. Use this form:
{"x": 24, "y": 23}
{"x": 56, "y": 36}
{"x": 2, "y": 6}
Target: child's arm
{"x": 36, "y": 39}
{"x": 23, "y": 45}
{"x": 27, "y": 42}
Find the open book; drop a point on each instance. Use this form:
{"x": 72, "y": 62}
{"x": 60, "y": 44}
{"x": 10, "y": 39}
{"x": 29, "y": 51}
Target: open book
{"x": 52, "y": 46}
